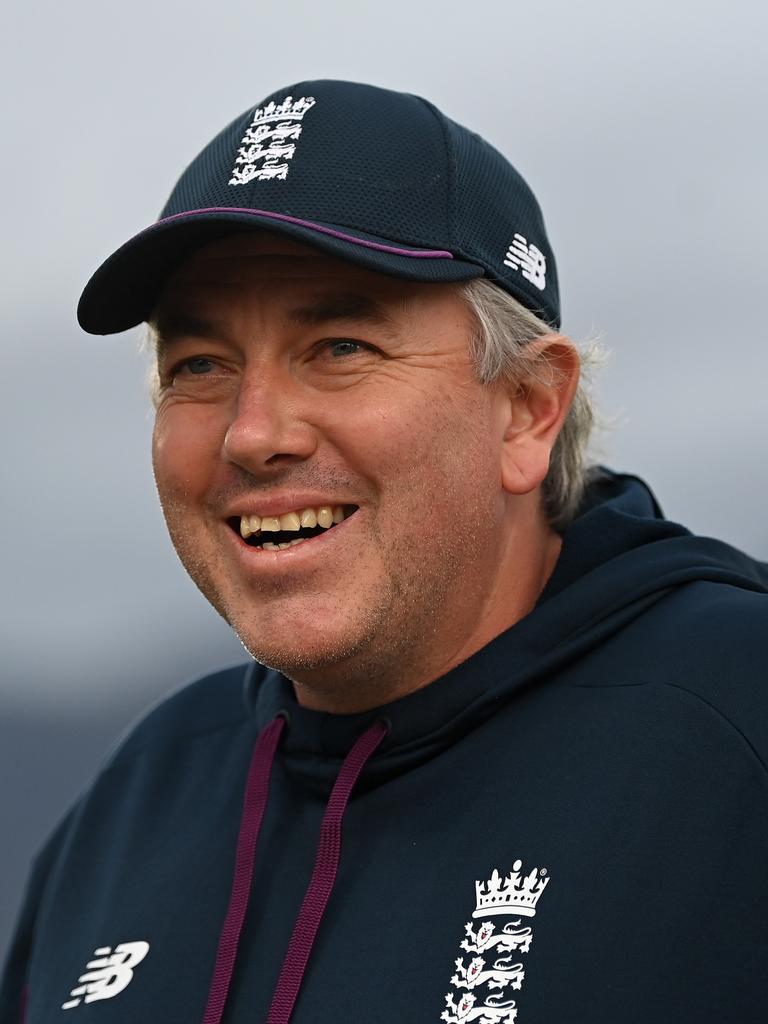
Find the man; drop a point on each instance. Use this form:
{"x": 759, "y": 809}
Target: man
{"x": 531, "y": 707}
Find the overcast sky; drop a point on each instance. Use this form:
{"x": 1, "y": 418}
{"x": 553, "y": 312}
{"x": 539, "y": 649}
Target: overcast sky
{"x": 639, "y": 126}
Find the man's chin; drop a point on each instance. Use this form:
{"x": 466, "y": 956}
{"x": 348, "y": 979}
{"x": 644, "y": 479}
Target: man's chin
{"x": 295, "y": 656}
{"x": 317, "y": 658}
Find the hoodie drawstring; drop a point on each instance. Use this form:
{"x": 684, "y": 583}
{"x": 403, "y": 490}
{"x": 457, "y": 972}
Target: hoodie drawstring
{"x": 321, "y": 883}
{"x": 323, "y": 877}
{"x": 256, "y": 793}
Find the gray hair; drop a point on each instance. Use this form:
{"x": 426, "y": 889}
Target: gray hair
{"x": 499, "y": 351}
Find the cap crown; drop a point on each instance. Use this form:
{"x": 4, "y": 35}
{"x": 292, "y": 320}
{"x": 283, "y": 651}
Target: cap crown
{"x": 385, "y": 166}
{"x": 376, "y": 177}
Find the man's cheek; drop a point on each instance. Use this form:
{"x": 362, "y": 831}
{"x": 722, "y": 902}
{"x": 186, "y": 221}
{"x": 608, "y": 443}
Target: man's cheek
{"x": 179, "y": 459}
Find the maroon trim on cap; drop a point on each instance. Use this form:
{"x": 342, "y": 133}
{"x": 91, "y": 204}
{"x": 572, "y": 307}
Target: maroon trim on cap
{"x": 419, "y": 254}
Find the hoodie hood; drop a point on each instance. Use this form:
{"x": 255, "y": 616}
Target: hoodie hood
{"x": 619, "y": 557}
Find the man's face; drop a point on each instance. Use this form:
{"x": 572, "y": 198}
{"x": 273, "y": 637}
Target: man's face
{"x": 289, "y": 375}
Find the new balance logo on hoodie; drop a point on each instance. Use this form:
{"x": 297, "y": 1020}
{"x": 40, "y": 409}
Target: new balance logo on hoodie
{"x": 108, "y": 974}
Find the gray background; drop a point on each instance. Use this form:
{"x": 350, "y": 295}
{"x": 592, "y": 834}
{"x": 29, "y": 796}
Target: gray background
{"x": 641, "y": 127}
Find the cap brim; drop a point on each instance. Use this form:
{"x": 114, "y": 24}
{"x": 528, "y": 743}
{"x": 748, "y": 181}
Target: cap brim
{"x": 123, "y": 291}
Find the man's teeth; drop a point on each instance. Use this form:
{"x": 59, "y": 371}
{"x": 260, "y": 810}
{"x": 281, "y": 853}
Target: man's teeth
{"x": 324, "y": 516}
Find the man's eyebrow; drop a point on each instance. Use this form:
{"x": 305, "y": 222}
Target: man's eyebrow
{"x": 176, "y": 324}
{"x": 349, "y": 306}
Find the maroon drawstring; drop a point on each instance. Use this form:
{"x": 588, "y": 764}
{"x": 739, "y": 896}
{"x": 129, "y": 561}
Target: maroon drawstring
{"x": 256, "y": 792}
{"x": 323, "y": 876}
{"x": 320, "y": 886}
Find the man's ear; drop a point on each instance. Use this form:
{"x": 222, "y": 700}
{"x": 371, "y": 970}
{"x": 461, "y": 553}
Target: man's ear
{"x": 534, "y": 413}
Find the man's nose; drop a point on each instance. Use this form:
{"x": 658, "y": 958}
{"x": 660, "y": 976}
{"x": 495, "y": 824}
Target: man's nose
{"x": 269, "y": 424}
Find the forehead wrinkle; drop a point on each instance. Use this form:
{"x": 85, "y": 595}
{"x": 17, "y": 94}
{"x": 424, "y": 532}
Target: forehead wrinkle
{"x": 170, "y": 325}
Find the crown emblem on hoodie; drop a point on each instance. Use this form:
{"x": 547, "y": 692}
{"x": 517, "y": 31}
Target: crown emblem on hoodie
{"x": 482, "y": 987}
{"x": 270, "y": 141}
{"x": 514, "y": 894}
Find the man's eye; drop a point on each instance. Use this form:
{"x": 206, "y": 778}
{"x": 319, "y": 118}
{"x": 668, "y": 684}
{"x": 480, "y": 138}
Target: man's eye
{"x": 202, "y": 366}
{"x": 195, "y": 364}
{"x": 346, "y": 346}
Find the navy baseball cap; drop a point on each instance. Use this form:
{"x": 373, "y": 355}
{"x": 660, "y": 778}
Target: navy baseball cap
{"x": 379, "y": 178}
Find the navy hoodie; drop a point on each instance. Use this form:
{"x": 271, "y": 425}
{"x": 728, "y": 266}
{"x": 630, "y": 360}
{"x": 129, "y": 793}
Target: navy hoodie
{"x": 571, "y": 825}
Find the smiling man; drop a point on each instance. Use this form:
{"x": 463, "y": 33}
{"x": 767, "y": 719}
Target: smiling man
{"x": 532, "y": 707}
{"x": 292, "y": 383}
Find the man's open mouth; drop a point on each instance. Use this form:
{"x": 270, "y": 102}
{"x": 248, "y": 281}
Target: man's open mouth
{"x": 291, "y": 528}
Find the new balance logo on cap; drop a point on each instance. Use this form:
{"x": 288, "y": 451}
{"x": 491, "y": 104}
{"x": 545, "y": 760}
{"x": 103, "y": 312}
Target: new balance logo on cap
{"x": 108, "y": 974}
{"x": 530, "y": 259}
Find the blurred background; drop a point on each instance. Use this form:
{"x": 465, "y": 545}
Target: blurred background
{"x": 638, "y": 126}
